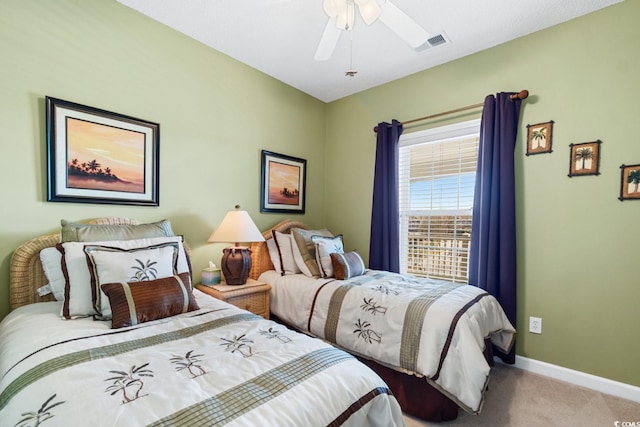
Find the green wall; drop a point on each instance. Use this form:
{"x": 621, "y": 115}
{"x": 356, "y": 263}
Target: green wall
{"x": 215, "y": 116}
{"x": 577, "y": 244}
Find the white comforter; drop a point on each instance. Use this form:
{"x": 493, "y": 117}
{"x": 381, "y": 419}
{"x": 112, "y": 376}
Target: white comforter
{"x": 216, "y": 366}
{"x": 423, "y": 327}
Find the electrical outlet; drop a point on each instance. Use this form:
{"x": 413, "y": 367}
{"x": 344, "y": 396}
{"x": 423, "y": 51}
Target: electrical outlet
{"x": 535, "y": 325}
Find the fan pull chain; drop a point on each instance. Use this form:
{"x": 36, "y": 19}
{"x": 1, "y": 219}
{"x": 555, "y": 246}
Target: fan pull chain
{"x": 350, "y": 72}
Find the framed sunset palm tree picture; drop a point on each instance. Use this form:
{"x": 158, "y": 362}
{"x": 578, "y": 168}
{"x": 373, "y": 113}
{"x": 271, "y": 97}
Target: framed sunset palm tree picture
{"x": 97, "y": 156}
{"x": 584, "y": 158}
{"x": 629, "y": 182}
{"x": 282, "y": 183}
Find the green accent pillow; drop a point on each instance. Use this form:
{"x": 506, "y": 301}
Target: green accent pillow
{"x": 305, "y": 256}
{"x": 79, "y": 232}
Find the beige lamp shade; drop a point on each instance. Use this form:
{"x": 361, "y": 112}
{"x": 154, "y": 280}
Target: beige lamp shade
{"x": 236, "y": 226}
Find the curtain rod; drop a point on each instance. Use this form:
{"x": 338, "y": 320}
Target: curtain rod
{"x": 523, "y": 94}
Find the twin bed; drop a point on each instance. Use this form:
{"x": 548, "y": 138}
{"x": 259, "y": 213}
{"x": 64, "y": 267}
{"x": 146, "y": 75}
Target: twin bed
{"x": 387, "y": 343}
{"x": 430, "y": 340}
{"x": 205, "y": 363}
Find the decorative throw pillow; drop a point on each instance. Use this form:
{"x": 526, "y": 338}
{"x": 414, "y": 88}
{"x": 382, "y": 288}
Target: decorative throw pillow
{"x": 79, "y": 232}
{"x": 108, "y": 264}
{"x": 273, "y": 254}
{"x": 285, "y": 243}
{"x": 51, "y": 260}
{"x": 304, "y": 250}
{"x": 326, "y": 246}
{"x": 346, "y": 266}
{"x": 78, "y": 300}
{"x": 138, "y": 302}
{"x": 297, "y": 257}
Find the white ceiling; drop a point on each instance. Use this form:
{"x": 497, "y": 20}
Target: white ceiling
{"x": 280, "y": 37}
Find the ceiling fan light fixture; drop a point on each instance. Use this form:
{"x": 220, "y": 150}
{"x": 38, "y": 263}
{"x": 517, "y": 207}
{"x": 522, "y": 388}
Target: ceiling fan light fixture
{"x": 369, "y": 10}
{"x": 346, "y": 15}
{"x": 342, "y": 15}
{"x": 332, "y": 7}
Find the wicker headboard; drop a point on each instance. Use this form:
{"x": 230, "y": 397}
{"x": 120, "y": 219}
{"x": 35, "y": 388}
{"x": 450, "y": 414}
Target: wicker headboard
{"x": 26, "y": 274}
{"x": 25, "y": 271}
{"x": 260, "y": 260}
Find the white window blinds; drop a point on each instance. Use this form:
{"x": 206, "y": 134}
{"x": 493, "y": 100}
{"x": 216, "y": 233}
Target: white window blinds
{"x": 437, "y": 178}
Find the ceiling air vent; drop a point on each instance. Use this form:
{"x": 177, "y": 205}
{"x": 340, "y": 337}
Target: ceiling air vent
{"x": 436, "y": 40}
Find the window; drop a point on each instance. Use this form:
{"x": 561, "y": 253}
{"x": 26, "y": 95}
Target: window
{"x": 437, "y": 170}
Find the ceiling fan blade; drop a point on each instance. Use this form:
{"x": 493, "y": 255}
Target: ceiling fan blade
{"x": 328, "y": 41}
{"x": 399, "y": 22}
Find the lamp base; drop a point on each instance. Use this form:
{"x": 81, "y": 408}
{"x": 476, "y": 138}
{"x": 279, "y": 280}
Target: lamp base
{"x": 236, "y": 265}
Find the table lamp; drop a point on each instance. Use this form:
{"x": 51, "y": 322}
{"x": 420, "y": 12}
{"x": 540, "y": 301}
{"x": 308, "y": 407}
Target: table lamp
{"x": 236, "y": 227}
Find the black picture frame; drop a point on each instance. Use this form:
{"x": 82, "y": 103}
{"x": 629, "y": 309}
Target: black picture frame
{"x": 282, "y": 183}
{"x": 98, "y": 156}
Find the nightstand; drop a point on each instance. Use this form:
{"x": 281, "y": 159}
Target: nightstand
{"x": 252, "y": 296}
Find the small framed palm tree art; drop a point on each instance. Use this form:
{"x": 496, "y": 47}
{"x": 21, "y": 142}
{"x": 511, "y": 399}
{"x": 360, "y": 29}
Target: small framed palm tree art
{"x": 584, "y": 158}
{"x": 629, "y": 182}
{"x": 539, "y": 138}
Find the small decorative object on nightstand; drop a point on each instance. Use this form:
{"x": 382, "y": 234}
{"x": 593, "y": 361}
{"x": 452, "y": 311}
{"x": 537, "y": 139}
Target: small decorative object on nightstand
{"x": 253, "y": 296}
{"x": 211, "y": 275}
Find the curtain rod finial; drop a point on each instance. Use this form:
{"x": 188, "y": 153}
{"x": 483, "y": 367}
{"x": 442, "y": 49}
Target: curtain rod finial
{"x": 523, "y": 94}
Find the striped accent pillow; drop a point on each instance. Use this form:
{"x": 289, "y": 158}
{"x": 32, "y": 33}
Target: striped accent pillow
{"x": 348, "y": 265}
{"x": 138, "y": 302}
{"x": 304, "y": 251}
{"x": 285, "y": 253}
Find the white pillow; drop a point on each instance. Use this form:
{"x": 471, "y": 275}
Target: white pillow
{"x": 116, "y": 265}
{"x": 79, "y": 302}
{"x": 273, "y": 254}
{"x": 285, "y": 244}
{"x": 325, "y": 246}
{"x": 51, "y": 260}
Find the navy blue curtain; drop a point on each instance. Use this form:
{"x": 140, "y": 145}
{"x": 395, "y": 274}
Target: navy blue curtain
{"x": 492, "y": 263}
{"x": 384, "y": 246}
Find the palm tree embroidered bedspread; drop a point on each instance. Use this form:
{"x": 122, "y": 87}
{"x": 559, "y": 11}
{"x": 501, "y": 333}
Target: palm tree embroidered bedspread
{"x": 213, "y": 366}
{"x": 423, "y": 327}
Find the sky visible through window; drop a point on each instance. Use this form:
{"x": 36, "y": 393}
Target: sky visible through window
{"x": 440, "y": 193}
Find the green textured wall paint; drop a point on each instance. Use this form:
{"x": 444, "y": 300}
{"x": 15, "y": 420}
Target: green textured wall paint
{"x": 215, "y": 116}
{"x": 577, "y": 256}
{"x": 576, "y": 252}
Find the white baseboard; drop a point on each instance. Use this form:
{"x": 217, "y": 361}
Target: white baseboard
{"x": 593, "y": 382}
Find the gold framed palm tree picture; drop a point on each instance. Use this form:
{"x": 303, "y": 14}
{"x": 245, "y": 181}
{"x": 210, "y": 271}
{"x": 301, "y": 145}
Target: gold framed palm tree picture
{"x": 539, "y": 138}
{"x": 584, "y": 158}
{"x": 629, "y": 182}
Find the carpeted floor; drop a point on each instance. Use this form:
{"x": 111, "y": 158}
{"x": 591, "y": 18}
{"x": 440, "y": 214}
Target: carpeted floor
{"x": 518, "y": 398}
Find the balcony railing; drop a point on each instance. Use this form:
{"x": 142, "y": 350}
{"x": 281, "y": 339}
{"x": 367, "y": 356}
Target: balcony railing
{"x": 442, "y": 252}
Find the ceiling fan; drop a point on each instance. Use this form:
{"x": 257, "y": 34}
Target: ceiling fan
{"x": 342, "y": 15}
